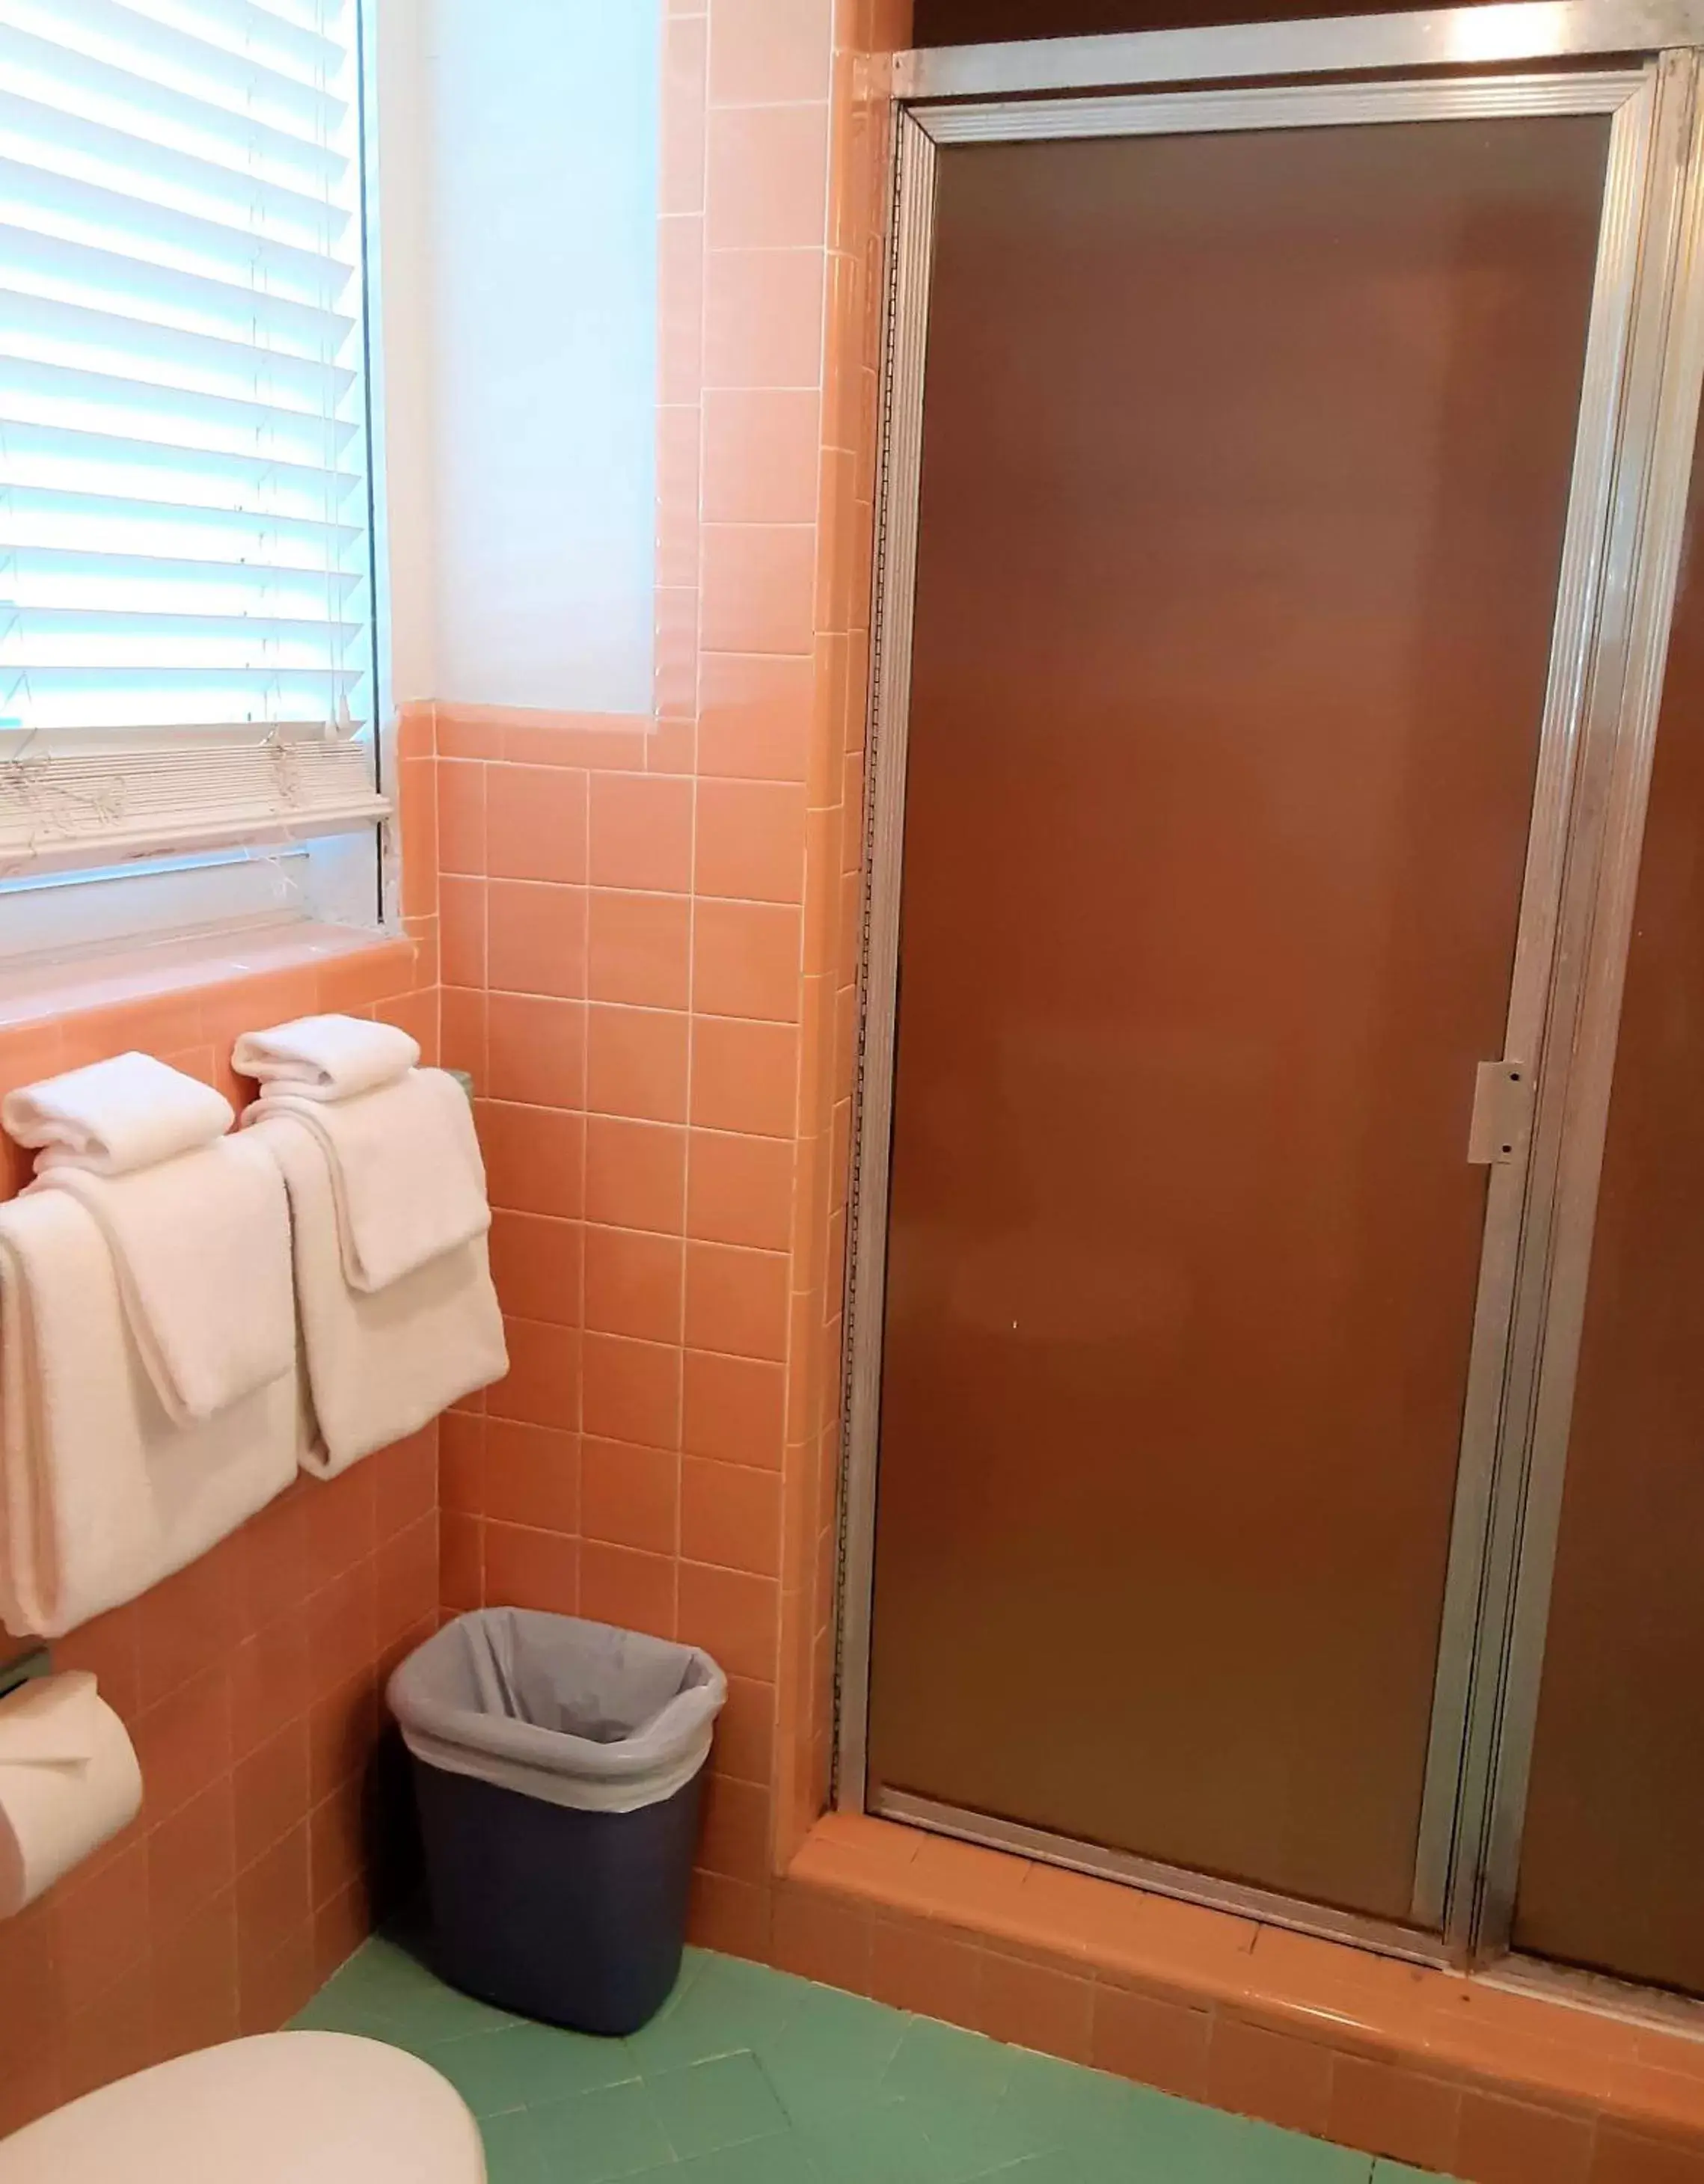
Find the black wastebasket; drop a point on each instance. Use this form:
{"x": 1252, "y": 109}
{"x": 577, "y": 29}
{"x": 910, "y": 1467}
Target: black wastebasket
{"x": 558, "y": 1766}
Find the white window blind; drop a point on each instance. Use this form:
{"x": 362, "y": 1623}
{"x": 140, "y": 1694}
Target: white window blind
{"x": 186, "y": 651}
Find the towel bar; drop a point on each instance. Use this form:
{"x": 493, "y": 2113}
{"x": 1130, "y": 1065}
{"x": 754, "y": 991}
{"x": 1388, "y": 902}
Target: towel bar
{"x": 34, "y": 1661}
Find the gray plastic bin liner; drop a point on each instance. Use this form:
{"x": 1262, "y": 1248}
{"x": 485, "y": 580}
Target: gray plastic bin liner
{"x": 575, "y": 1714}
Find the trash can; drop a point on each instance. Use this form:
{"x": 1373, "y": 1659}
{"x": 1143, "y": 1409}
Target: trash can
{"x": 558, "y": 1766}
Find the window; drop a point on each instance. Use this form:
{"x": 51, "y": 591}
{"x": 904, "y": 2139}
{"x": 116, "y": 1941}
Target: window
{"x": 188, "y": 671}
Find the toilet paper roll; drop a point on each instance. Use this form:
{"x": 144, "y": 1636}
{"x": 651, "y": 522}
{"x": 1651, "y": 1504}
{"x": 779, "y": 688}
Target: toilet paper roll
{"x": 69, "y": 1779}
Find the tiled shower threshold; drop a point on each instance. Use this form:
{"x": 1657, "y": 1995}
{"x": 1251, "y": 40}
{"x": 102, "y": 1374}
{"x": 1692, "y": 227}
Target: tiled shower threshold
{"x": 753, "y": 2077}
{"x": 1496, "y": 2079}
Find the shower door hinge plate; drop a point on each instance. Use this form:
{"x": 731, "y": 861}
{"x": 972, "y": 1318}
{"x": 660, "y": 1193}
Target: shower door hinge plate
{"x": 1502, "y": 1113}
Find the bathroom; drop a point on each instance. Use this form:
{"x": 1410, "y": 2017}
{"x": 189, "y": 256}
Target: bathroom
{"x": 1257, "y": 1707}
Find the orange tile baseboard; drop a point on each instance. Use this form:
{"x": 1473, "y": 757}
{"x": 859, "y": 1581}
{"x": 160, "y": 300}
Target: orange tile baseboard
{"x": 1419, "y": 2065}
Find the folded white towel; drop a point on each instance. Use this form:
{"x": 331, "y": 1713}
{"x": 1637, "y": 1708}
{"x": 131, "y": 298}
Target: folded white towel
{"x": 406, "y": 1174}
{"x": 115, "y": 1115}
{"x": 379, "y": 1365}
{"x": 326, "y": 1057}
{"x": 101, "y": 1495}
{"x": 201, "y": 1247}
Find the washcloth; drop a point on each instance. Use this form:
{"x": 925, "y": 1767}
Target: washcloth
{"x": 200, "y": 1247}
{"x": 407, "y": 1179}
{"x": 325, "y": 1057}
{"x": 101, "y": 1495}
{"x": 379, "y": 1365}
{"x": 115, "y": 1115}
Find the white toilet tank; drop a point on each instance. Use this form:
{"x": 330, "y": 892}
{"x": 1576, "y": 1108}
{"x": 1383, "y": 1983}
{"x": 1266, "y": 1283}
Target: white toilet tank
{"x": 287, "y": 2108}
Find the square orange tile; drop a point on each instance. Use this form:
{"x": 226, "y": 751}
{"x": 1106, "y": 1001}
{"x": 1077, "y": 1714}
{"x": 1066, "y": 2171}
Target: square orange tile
{"x": 535, "y": 938}
{"x": 541, "y": 1387}
{"x": 739, "y": 1190}
{"x": 734, "y": 1409}
{"x": 636, "y": 1174}
{"x": 744, "y": 1076}
{"x": 731, "y": 1516}
{"x": 763, "y": 318}
{"x": 762, "y": 454}
{"x": 525, "y": 1569}
{"x": 737, "y": 1300}
{"x": 627, "y": 1587}
{"x": 632, "y": 1390}
{"x": 762, "y": 54}
{"x": 638, "y": 948}
{"x": 636, "y": 1063}
{"x": 642, "y": 832}
{"x": 530, "y": 1475}
{"x": 751, "y": 841}
{"x": 534, "y": 1159}
{"x": 535, "y": 822}
{"x": 755, "y": 722}
{"x": 536, "y": 1051}
{"x": 630, "y": 1495}
{"x": 734, "y": 1617}
{"x": 767, "y": 176}
{"x": 747, "y": 961}
{"x": 759, "y": 588}
{"x": 633, "y": 1283}
{"x": 536, "y": 1265}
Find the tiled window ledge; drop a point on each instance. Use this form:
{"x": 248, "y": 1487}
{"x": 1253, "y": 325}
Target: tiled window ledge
{"x": 1419, "y": 2064}
{"x": 366, "y": 965}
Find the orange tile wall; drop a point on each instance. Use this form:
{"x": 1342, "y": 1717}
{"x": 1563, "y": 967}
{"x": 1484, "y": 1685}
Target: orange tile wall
{"x": 249, "y": 1682}
{"x": 649, "y": 947}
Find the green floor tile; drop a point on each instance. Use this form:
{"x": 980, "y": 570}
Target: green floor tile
{"x": 710, "y": 2105}
{"x": 511, "y": 2154}
{"x": 940, "y": 2063}
{"x": 972, "y": 2134}
{"x": 882, "y": 2142}
{"x": 522, "y": 2066}
{"x": 1394, "y": 2172}
{"x": 596, "y": 2138}
{"x": 832, "y": 2053}
{"x": 783, "y": 2160}
{"x": 729, "y": 2008}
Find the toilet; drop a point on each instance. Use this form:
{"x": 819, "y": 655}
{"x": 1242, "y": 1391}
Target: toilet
{"x": 284, "y": 2107}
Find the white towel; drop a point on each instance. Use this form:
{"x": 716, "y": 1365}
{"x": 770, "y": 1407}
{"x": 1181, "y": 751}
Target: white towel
{"x": 326, "y": 1057}
{"x": 101, "y": 1495}
{"x": 379, "y": 1366}
{"x": 201, "y": 1245}
{"x": 407, "y": 1178}
{"x": 115, "y": 1115}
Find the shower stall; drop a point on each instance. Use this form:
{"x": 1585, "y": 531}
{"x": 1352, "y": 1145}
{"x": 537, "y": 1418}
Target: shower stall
{"x": 1275, "y": 1445}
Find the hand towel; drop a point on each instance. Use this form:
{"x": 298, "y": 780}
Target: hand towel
{"x": 115, "y": 1115}
{"x": 201, "y": 1249}
{"x": 326, "y": 1057}
{"x": 407, "y": 1179}
{"x": 379, "y": 1365}
{"x": 101, "y": 1495}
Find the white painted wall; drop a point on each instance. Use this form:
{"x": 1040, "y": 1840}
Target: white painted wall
{"x": 519, "y": 161}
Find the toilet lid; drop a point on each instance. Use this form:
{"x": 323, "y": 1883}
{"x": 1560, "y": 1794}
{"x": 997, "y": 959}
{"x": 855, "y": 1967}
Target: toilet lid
{"x": 287, "y": 2108}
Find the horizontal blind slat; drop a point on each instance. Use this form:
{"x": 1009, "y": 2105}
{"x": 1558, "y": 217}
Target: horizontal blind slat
{"x": 101, "y": 152}
{"x": 41, "y": 202}
{"x": 50, "y": 265}
{"x": 107, "y": 522}
{"x": 44, "y": 329}
{"x": 219, "y": 74}
{"x": 101, "y": 92}
{"x": 138, "y": 410}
